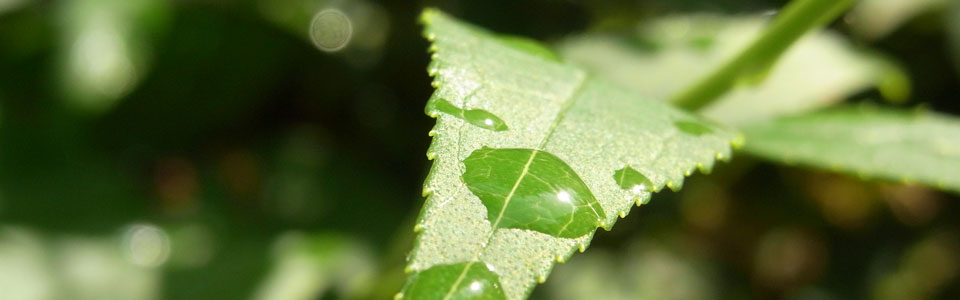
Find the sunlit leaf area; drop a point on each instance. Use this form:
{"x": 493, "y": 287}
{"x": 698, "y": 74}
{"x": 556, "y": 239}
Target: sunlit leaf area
{"x": 468, "y": 149}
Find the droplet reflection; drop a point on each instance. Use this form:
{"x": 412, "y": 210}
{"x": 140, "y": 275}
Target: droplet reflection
{"x": 564, "y": 196}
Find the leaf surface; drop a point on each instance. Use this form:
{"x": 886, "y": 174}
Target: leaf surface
{"x": 915, "y": 146}
{"x": 526, "y": 157}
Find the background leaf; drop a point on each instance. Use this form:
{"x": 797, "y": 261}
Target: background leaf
{"x": 668, "y": 54}
{"x": 871, "y": 142}
{"x": 549, "y": 108}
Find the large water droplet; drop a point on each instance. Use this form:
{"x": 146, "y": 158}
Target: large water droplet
{"x": 532, "y": 189}
{"x": 476, "y": 117}
{"x": 692, "y": 128}
{"x": 462, "y": 281}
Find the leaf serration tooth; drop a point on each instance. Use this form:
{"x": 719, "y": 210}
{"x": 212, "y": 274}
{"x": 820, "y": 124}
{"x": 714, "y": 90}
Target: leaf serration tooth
{"x": 398, "y": 296}
{"x": 720, "y": 156}
{"x": 675, "y": 185}
{"x": 738, "y": 141}
{"x": 426, "y": 192}
{"x": 704, "y": 169}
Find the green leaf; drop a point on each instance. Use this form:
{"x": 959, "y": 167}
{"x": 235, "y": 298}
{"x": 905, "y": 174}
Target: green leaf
{"x": 309, "y": 264}
{"x": 514, "y": 199}
{"x": 919, "y": 146}
{"x": 874, "y": 19}
{"x": 107, "y": 48}
{"x": 671, "y": 53}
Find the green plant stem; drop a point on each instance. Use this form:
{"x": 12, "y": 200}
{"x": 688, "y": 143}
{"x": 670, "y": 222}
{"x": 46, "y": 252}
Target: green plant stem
{"x": 752, "y": 64}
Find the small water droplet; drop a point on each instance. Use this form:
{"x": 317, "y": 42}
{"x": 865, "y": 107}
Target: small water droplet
{"x": 529, "y": 46}
{"x": 468, "y": 280}
{"x": 532, "y": 189}
{"x": 476, "y": 117}
{"x": 692, "y": 128}
{"x": 484, "y": 119}
{"x": 633, "y": 181}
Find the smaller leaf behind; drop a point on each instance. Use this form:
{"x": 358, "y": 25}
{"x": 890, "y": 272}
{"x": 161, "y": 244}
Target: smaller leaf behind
{"x": 918, "y": 146}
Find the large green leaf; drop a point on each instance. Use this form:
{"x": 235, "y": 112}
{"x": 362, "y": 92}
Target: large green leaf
{"x": 922, "y": 147}
{"x": 667, "y": 55}
{"x": 531, "y": 156}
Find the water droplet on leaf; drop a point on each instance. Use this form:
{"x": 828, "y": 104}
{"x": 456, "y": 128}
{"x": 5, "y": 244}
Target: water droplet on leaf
{"x": 530, "y": 47}
{"x": 692, "y": 128}
{"x": 469, "y": 280}
{"x": 633, "y": 181}
{"x": 476, "y": 117}
{"x": 532, "y": 189}
{"x": 484, "y": 119}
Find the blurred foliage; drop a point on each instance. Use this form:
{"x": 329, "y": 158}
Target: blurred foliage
{"x": 198, "y": 149}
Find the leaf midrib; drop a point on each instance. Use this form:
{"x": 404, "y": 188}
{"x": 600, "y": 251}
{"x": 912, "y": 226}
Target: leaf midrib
{"x": 553, "y": 126}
